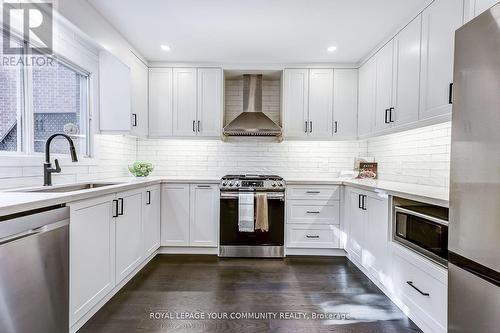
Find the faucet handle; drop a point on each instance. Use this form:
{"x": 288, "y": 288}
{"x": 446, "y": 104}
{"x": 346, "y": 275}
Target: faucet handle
{"x": 58, "y": 167}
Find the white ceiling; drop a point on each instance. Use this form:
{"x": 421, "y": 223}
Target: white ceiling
{"x": 257, "y": 31}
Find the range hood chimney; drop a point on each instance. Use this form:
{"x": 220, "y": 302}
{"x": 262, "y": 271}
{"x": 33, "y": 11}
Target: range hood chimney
{"x": 252, "y": 121}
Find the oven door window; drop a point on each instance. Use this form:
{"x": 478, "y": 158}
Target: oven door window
{"x": 230, "y": 235}
{"x": 425, "y": 234}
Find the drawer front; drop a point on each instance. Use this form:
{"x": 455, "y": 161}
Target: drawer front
{"x": 313, "y": 212}
{"x": 313, "y": 236}
{"x": 319, "y": 192}
{"x": 411, "y": 283}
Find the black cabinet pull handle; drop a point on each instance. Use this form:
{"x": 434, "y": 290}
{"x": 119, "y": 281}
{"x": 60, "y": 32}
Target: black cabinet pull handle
{"x": 420, "y": 291}
{"x": 363, "y": 204}
{"x": 198, "y": 126}
{"x": 450, "y": 94}
{"x": 115, "y": 208}
{"x": 306, "y": 127}
{"x": 312, "y": 236}
{"x": 310, "y": 127}
{"x": 386, "y": 120}
{"x": 312, "y": 212}
{"x": 134, "y": 119}
{"x": 194, "y": 122}
{"x": 313, "y": 192}
{"x": 336, "y": 126}
{"x": 148, "y": 201}
{"x": 391, "y": 109}
{"x": 203, "y": 186}
{"x": 120, "y": 202}
{"x": 359, "y": 201}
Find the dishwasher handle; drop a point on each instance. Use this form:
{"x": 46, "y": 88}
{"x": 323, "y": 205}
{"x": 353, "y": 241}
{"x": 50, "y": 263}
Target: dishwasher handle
{"x": 33, "y": 232}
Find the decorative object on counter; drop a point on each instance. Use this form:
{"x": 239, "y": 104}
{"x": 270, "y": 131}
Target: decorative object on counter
{"x": 358, "y": 160}
{"x": 367, "y": 170}
{"x": 141, "y": 169}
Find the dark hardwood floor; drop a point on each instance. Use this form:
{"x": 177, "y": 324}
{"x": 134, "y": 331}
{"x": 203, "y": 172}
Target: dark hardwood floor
{"x": 205, "y": 284}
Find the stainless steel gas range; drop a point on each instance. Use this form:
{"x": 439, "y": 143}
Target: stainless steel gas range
{"x": 235, "y": 242}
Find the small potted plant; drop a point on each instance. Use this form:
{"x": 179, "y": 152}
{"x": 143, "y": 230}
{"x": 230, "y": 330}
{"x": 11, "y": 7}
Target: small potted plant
{"x": 140, "y": 169}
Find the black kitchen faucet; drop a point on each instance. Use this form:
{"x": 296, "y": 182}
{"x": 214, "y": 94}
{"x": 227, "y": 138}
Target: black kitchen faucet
{"x": 47, "y": 166}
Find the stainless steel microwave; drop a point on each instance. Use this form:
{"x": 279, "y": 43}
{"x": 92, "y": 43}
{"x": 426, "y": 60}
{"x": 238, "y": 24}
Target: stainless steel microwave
{"x": 423, "y": 229}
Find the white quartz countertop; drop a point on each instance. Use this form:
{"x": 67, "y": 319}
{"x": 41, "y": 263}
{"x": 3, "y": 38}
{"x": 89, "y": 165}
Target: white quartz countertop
{"x": 424, "y": 193}
{"x": 15, "y": 200}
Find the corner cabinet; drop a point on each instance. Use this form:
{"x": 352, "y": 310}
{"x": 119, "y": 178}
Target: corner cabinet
{"x": 314, "y": 97}
{"x": 151, "y": 219}
{"x": 139, "y": 96}
{"x": 190, "y": 215}
{"x": 345, "y": 103}
{"x": 366, "y": 106}
{"x": 160, "y": 102}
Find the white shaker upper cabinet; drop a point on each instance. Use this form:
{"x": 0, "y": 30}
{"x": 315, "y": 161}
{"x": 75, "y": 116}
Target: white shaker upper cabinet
{"x": 160, "y": 102}
{"x": 383, "y": 88}
{"x": 474, "y": 8}
{"x": 185, "y": 101}
{"x": 209, "y": 120}
{"x": 366, "y": 107}
{"x": 345, "y": 103}
{"x": 114, "y": 94}
{"x": 406, "y": 74}
{"x": 321, "y": 103}
{"x": 139, "y": 96}
{"x": 439, "y": 22}
{"x": 296, "y": 101}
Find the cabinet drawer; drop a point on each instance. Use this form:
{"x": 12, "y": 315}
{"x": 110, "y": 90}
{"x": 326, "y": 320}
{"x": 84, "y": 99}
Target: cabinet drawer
{"x": 319, "y": 192}
{"x": 313, "y": 211}
{"x": 420, "y": 291}
{"x": 313, "y": 236}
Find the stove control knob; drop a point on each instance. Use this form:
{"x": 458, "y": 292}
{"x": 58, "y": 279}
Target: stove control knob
{"x": 280, "y": 184}
{"x": 230, "y": 183}
{"x": 238, "y": 184}
{"x": 224, "y": 183}
{"x": 274, "y": 184}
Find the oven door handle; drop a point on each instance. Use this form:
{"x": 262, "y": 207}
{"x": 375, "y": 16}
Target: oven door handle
{"x": 235, "y": 195}
{"x": 424, "y": 216}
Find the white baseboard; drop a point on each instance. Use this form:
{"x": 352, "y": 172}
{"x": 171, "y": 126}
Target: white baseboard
{"x": 117, "y": 288}
{"x": 187, "y": 250}
{"x": 315, "y": 252}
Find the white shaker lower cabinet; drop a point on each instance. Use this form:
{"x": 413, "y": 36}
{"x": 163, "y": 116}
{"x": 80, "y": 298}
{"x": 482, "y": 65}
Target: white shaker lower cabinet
{"x": 313, "y": 216}
{"x": 151, "y": 220}
{"x": 190, "y": 215}
{"x": 129, "y": 247}
{"x": 175, "y": 215}
{"x": 204, "y": 215}
{"x": 92, "y": 253}
{"x": 367, "y": 227}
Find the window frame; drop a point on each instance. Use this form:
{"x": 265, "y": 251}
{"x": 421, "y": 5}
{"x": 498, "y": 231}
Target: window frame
{"x": 25, "y": 116}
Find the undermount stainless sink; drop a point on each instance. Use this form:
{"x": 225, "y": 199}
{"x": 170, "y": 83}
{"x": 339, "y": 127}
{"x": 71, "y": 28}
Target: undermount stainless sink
{"x": 69, "y": 188}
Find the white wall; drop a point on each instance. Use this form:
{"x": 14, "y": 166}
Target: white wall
{"x": 419, "y": 156}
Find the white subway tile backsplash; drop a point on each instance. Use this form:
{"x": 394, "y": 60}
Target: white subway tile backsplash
{"x": 420, "y": 156}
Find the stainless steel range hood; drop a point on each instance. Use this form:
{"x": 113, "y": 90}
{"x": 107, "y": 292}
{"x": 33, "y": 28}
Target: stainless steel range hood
{"x": 252, "y": 121}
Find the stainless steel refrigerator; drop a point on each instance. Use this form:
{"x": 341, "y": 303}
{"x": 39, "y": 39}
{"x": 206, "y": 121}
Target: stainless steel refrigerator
{"x": 474, "y": 229}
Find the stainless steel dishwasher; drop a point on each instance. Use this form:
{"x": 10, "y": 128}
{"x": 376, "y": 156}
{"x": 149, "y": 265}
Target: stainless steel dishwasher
{"x": 34, "y": 271}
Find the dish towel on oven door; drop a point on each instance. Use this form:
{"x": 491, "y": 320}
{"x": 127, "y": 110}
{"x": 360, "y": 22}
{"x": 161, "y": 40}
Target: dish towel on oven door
{"x": 246, "y": 221}
{"x": 261, "y": 219}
